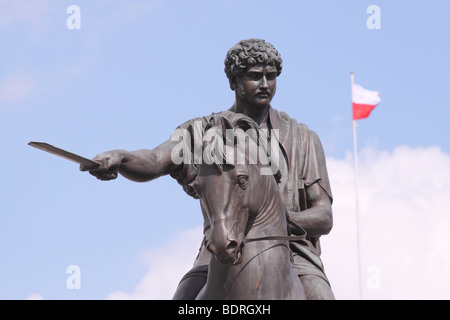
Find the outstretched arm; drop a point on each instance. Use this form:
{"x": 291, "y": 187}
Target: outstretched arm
{"x": 140, "y": 166}
{"x": 317, "y": 219}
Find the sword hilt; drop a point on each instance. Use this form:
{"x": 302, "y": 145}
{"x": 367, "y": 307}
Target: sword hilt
{"x": 100, "y": 165}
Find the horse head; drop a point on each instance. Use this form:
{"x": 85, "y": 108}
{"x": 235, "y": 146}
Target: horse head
{"x": 230, "y": 199}
{"x": 231, "y": 194}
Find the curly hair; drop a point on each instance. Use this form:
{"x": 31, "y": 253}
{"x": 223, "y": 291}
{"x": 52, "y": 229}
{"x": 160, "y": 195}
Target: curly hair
{"x": 247, "y": 53}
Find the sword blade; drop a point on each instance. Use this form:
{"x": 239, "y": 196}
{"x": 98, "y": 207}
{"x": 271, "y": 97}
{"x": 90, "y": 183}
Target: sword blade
{"x": 92, "y": 165}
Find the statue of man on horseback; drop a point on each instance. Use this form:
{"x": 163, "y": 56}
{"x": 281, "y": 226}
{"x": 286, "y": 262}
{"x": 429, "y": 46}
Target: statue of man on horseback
{"x": 252, "y": 67}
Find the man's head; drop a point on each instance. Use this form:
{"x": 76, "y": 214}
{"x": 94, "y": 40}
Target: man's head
{"x": 247, "y": 54}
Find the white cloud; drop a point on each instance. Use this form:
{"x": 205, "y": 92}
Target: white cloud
{"x": 16, "y": 87}
{"x": 35, "y": 296}
{"x": 167, "y": 265}
{"x": 405, "y": 223}
{"x": 23, "y": 11}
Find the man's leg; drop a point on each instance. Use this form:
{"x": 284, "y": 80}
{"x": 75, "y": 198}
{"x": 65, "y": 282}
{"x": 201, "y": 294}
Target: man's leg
{"x": 316, "y": 288}
{"x": 191, "y": 284}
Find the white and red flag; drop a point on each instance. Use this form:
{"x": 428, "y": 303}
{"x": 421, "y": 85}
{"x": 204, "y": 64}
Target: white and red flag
{"x": 364, "y": 101}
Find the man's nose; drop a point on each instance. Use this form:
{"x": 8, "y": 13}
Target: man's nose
{"x": 264, "y": 83}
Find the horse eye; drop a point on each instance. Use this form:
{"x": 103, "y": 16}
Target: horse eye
{"x": 242, "y": 180}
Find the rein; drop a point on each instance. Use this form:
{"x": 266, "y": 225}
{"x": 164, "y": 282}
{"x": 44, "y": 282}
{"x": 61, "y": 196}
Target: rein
{"x": 289, "y": 238}
{"x": 293, "y": 225}
{"x": 301, "y": 233}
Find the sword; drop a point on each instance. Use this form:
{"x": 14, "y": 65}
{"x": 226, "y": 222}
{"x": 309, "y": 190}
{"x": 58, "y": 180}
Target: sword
{"x": 89, "y": 164}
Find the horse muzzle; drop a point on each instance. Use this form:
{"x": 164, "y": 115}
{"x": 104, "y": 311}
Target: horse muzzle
{"x": 228, "y": 253}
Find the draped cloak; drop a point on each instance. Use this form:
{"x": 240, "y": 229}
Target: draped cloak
{"x": 303, "y": 163}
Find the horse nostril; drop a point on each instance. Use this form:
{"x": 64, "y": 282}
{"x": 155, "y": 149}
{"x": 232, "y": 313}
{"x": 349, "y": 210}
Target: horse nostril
{"x": 231, "y": 245}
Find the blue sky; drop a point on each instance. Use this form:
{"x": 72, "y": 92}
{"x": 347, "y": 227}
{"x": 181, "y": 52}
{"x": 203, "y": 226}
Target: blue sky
{"x": 137, "y": 69}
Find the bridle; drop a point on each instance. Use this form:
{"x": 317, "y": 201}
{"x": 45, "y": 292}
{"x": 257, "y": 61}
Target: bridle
{"x": 293, "y": 226}
{"x": 298, "y": 237}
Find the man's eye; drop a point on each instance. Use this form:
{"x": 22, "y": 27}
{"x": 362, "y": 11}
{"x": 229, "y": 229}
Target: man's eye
{"x": 254, "y": 76}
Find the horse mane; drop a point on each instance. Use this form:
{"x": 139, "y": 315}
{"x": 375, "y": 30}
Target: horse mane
{"x": 232, "y": 120}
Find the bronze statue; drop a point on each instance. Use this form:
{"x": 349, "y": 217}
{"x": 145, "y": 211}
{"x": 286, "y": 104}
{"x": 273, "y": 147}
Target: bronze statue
{"x": 248, "y": 236}
{"x": 252, "y": 67}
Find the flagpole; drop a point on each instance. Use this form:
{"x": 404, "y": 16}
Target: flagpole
{"x": 355, "y": 160}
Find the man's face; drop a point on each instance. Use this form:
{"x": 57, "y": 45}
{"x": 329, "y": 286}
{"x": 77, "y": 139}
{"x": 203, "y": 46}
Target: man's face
{"x": 258, "y": 85}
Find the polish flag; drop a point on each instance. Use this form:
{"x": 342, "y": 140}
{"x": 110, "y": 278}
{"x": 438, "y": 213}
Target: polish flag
{"x": 364, "y": 101}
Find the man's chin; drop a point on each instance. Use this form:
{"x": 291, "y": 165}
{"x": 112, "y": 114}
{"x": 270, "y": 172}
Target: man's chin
{"x": 262, "y": 104}
{"x": 262, "y": 101}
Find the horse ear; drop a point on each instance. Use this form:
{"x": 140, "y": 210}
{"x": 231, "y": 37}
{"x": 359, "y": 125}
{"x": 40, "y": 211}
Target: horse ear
{"x": 245, "y": 124}
{"x": 225, "y": 123}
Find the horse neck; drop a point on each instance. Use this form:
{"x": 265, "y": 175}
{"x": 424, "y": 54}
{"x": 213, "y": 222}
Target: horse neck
{"x": 243, "y": 280}
{"x": 271, "y": 217}
{"x": 268, "y": 258}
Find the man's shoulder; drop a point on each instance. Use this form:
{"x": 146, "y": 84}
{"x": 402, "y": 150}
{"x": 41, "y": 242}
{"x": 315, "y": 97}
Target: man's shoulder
{"x": 202, "y": 119}
{"x": 287, "y": 120}
{"x": 291, "y": 127}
